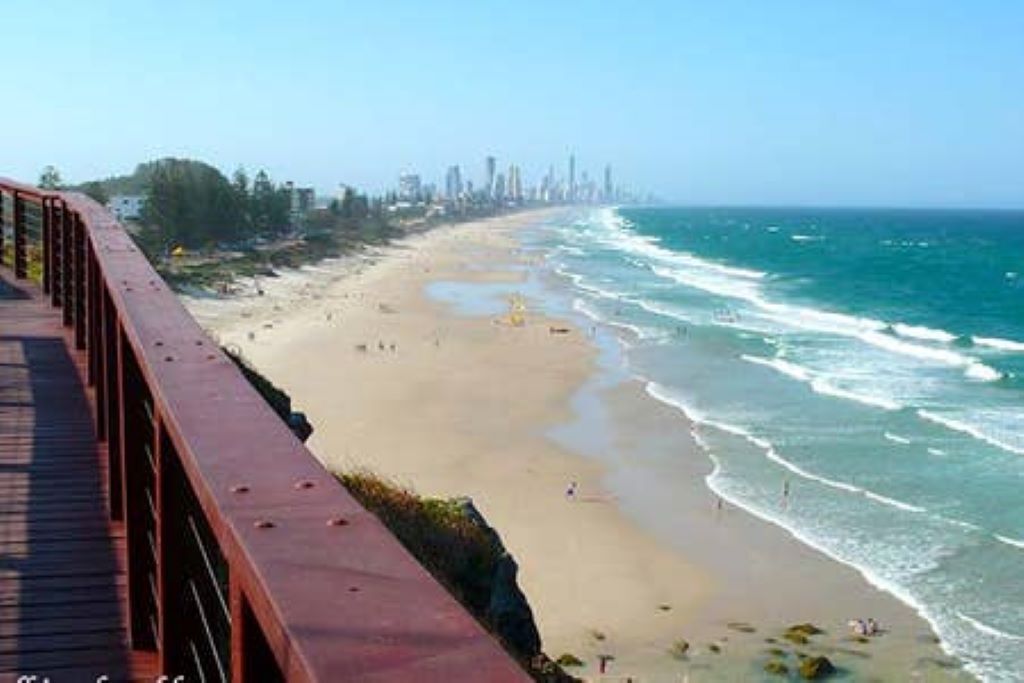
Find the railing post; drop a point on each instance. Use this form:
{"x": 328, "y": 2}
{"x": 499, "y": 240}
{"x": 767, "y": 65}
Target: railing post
{"x": 46, "y": 208}
{"x": 56, "y": 239}
{"x": 20, "y": 237}
{"x": 112, "y": 409}
{"x": 66, "y": 288}
{"x": 1, "y": 227}
{"x": 93, "y": 333}
{"x": 80, "y": 282}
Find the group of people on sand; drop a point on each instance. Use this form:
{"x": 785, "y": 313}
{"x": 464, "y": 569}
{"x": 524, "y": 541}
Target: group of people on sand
{"x": 865, "y": 627}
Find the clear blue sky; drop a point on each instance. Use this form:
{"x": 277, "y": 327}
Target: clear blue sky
{"x": 816, "y": 102}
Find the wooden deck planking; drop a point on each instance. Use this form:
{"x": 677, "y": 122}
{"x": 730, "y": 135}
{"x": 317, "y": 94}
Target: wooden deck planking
{"x": 62, "y": 577}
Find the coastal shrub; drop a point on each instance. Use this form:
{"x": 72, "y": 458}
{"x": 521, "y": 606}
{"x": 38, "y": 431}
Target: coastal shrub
{"x": 776, "y": 667}
{"x": 453, "y": 542}
{"x": 569, "y": 659}
{"x": 452, "y": 547}
{"x": 597, "y": 635}
{"x": 715, "y": 648}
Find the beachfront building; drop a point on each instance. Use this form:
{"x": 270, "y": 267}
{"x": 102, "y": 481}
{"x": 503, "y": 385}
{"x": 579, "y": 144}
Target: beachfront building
{"x": 490, "y": 167}
{"x": 301, "y": 200}
{"x": 572, "y": 177}
{"x": 453, "y": 183}
{"x": 515, "y": 184}
{"x": 498, "y": 194}
{"x": 127, "y": 207}
{"x": 409, "y": 187}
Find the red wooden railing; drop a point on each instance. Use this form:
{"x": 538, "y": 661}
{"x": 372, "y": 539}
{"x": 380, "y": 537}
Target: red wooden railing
{"x": 246, "y": 559}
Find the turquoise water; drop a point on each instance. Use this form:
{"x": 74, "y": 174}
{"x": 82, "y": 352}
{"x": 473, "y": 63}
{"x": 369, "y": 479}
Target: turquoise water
{"x": 871, "y": 361}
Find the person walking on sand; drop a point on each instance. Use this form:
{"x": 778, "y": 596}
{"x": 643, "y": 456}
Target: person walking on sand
{"x": 570, "y": 491}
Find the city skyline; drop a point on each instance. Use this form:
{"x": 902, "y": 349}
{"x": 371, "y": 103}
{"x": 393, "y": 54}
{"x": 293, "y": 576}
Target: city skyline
{"x": 783, "y": 104}
{"x": 497, "y": 186}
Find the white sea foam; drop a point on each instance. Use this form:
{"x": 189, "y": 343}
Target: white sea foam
{"x": 999, "y": 344}
{"x": 665, "y": 396}
{"x": 970, "y": 430}
{"x": 923, "y": 333}
{"x": 744, "y": 284}
{"x": 641, "y": 333}
{"x": 936, "y": 451}
{"x": 896, "y": 345}
{"x": 989, "y": 630}
{"x": 785, "y": 367}
{"x": 822, "y": 386}
{"x": 806, "y": 238}
{"x": 892, "y": 502}
{"x": 1016, "y": 543}
{"x": 982, "y": 373}
{"x": 721, "y": 487}
{"x": 973, "y": 369}
{"x": 649, "y": 246}
{"x": 895, "y": 438}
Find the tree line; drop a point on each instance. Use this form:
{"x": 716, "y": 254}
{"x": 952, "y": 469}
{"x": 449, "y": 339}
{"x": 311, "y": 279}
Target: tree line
{"x": 192, "y": 204}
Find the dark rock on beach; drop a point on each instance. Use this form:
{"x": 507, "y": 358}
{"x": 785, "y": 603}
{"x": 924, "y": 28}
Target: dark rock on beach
{"x": 815, "y": 668}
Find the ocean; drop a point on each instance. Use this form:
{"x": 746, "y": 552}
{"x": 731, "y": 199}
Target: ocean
{"x": 869, "y": 362}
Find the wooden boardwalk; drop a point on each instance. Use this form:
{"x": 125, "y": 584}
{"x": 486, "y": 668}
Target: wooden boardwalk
{"x": 62, "y": 576}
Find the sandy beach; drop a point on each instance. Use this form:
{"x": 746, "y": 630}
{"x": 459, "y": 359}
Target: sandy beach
{"x": 447, "y": 395}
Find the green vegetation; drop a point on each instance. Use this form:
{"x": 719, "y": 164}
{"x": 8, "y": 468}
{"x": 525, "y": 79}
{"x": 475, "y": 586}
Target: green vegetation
{"x": 776, "y": 667}
{"x": 569, "y": 659}
{"x": 279, "y": 401}
{"x": 192, "y": 204}
{"x": 232, "y": 228}
{"x": 447, "y": 542}
{"x": 456, "y": 546}
{"x": 50, "y": 179}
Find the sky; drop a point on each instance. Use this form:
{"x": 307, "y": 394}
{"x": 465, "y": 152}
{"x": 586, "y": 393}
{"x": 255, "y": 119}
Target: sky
{"x": 838, "y": 102}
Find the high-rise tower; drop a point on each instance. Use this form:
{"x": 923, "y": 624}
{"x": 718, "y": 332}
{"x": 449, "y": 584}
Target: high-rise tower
{"x": 608, "y": 192}
{"x": 572, "y": 177}
{"x": 490, "y": 166}
{"x": 453, "y": 183}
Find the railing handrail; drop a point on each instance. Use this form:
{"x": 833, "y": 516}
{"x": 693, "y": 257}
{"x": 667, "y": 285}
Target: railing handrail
{"x": 333, "y": 594}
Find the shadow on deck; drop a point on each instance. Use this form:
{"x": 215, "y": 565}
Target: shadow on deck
{"x": 62, "y": 578}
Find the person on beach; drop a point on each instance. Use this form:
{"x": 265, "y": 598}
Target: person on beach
{"x": 785, "y": 494}
{"x": 570, "y": 491}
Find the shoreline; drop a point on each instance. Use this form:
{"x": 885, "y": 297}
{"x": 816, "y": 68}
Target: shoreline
{"x": 464, "y": 405}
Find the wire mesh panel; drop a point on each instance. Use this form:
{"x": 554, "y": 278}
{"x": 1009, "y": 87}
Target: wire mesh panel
{"x": 197, "y": 642}
{"x": 138, "y": 462}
